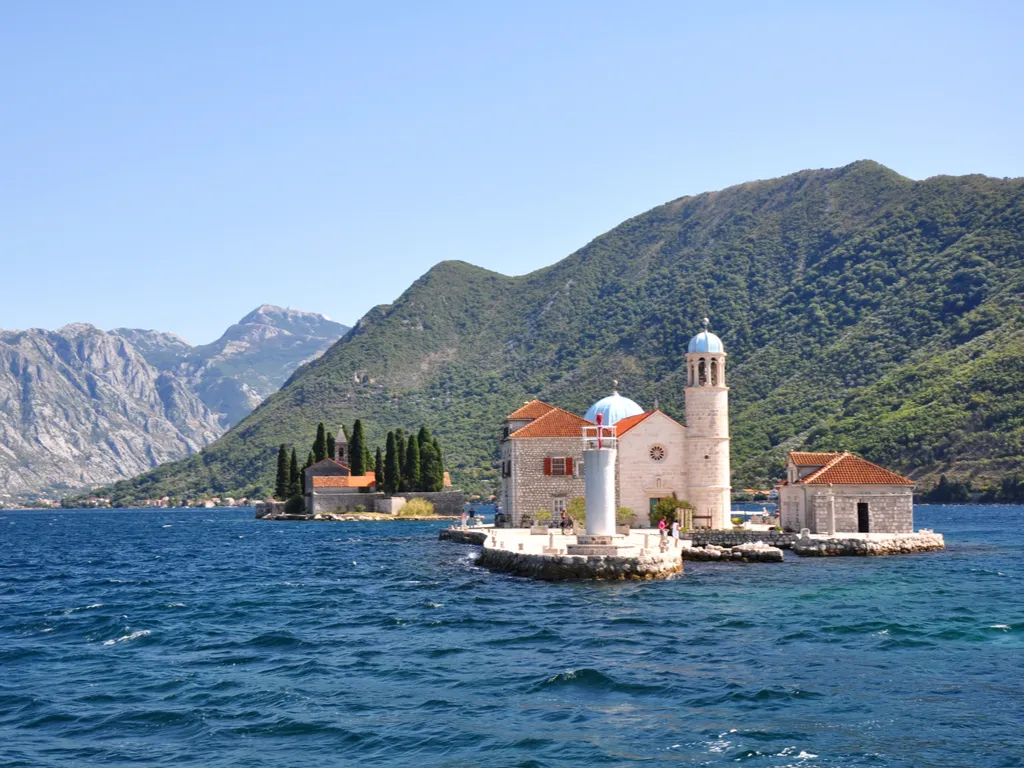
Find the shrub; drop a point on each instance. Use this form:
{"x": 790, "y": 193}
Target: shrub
{"x": 296, "y": 505}
{"x": 737, "y": 521}
{"x": 669, "y": 507}
{"x": 416, "y": 508}
{"x": 543, "y": 517}
{"x": 360, "y": 508}
{"x": 624, "y": 516}
{"x": 576, "y": 509}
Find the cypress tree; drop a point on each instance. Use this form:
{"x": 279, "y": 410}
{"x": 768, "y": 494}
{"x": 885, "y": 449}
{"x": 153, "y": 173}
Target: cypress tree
{"x": 411, "y": 476}
{"x": 332, "y": 445}
{"x": 294, "y": 489}
{"x": 283, "y": 478}
{"x": 310, "y": 461}
{"x": 400, "y": 444}
{"x": 440, "y": 461}
{"x": 432, "y": 479}
{"x": 357, "y": 447}
{"x": 392, "y": 475}
{"x": 378, "y": 470}
{"x": 423, "y": 438}
{"x": 319, "y": 451}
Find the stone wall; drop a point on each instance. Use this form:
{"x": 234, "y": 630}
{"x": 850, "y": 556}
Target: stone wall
{"x": 328, "y": 500}
{"x": 656, "y": 565}
{"x": 890, "y": 508}
{"x": 460, "y": 536}
{"x": 736, "y": 538}
{"x": 923, "y": 541}
{"x": 529, "y": 489}
{"x": 448, "y": 503}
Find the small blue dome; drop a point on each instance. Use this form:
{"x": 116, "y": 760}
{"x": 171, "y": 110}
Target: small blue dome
{"x": 613, "y": 408}
{"x": 705, "y": 341}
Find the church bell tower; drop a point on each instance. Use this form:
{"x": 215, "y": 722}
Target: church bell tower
{"x": 707, "y": 431}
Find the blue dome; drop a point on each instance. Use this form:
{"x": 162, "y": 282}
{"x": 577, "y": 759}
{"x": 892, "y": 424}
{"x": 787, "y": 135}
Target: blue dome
{"x": 705, "y": 341}
{"x": 613, "y": 408}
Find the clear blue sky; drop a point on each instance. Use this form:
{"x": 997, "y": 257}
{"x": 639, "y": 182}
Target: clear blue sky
{"x": 173, "y": 165}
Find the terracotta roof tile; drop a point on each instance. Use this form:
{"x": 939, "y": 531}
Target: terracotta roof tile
{"x": 346, "y": 481}
{"x": 622, "y": 426}
{"x": 847, "y": 469}
{"x": 554, "y": 423}
{"x": 802, "y": 459}
{"x": 532, "y": 410}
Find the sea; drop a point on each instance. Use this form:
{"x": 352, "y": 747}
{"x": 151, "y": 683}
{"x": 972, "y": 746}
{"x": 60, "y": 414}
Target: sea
{"x": 208, "y": 638}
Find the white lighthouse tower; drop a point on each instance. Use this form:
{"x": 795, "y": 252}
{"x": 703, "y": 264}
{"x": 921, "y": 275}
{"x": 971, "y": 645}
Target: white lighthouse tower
{"x": 600, "y": 451}
{"x": 707, "y": 431}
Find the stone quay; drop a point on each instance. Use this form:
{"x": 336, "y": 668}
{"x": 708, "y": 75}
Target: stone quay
{"x": 640, "y": 555}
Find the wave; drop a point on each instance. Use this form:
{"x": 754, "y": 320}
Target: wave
{"x": 125, "y": 638}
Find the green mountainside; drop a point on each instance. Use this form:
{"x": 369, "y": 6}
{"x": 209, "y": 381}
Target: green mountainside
{"x": 861, "y": 310}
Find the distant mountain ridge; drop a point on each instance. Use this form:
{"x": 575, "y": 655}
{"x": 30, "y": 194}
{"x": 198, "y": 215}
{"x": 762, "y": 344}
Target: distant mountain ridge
{"x": 861, "y": 310}
{"x": 80, "y": 407}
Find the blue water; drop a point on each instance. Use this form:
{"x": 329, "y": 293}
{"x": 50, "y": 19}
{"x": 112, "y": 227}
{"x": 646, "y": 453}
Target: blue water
{"x": 206, "y": 638}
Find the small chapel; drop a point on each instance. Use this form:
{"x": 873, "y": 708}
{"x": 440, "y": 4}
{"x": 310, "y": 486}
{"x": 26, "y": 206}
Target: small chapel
{"x": 542, "y": 450}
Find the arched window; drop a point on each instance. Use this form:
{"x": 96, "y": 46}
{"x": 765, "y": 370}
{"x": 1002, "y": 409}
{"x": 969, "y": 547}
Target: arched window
{"x": 714, "y": 373}
{"x": 702, "y": 373}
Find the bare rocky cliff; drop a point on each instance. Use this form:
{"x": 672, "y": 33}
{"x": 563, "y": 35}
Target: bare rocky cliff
{"x": 80, "y": 407}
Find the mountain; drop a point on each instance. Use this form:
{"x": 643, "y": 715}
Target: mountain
{"x": 80, "y": 407}
{"x": 252, "y": 359}
{"x": 861, "y": 310}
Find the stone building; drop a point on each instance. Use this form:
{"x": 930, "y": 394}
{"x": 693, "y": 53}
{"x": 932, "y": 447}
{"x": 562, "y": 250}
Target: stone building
{"x": 329, "y": 480}
{"x": 840, "y": 492}
{"x": 542, "y": 461}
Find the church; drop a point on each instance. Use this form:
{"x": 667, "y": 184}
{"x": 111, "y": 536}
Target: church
{"x": 542, "y": 449}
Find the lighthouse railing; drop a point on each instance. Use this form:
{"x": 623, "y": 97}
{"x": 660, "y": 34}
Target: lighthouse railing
{"x": 596, "y": 438}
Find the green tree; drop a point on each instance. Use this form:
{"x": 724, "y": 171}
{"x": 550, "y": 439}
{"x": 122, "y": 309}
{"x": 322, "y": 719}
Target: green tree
{"x": 310, "y": 461}
{"x": 411, "y": 473}
{"x": 378, "y": 470}
{"x": 320, "y": 443}
{"x": 357, "y": 447}
{"x": 576, "y": 509}
{"x": 283, "y": 478}
{"x": 332, "y": 445}
{"x": 440, "y": 460}
{"x": 423, "y": 437}
{"x": 392, "y": 475}
{"x": 400, "y": 443}
{"x": 672, "y": 508}
{"x": 431, "y": 474}
{"x": 294, "y": 487}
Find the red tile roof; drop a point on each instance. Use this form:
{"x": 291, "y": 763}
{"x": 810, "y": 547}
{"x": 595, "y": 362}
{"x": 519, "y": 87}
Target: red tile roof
{"x": 622, "y": 426}
{"x": 847, "y": 469}
{"x": 532, "y": 410}
{"x": 802, "y": 459}
{"x": 554, "y": 423}
{"x": 346, "y": 481}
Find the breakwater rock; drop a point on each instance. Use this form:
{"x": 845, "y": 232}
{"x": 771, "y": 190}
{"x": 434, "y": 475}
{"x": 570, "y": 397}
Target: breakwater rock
{"x": 752, "y": 552}
{"x": 894, "y": 544}
{"x": 654, "y": 565}
{"x": 463, "y": 536}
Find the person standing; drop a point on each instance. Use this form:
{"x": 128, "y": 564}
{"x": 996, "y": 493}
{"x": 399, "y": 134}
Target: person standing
{"x": 663, "y": 527}
{"x": 675, "y": 531}
{"x": 563, "y": 522}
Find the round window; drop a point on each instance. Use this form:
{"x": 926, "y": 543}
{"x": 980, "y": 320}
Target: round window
{"x": 657, "y": 453}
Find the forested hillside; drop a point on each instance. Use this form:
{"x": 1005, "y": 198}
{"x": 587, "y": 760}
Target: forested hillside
{"x": 861, "y": 310}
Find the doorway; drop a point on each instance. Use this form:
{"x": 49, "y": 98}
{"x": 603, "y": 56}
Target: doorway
{"x": 862, "y": 517}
